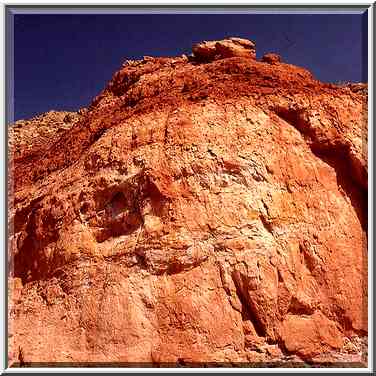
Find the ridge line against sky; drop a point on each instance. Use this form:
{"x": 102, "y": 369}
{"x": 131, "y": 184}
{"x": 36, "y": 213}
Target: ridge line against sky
{"x": 62, "y": 61}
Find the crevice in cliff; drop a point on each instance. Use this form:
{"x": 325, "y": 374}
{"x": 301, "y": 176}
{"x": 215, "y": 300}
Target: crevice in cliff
{"x": 24, "y": 267}
{"x": 297, "y": 307}
{"x": 346, "y": 323}
{"x": 21, "y": 357}
{"x": 247, "y": 309}
{"x": 121, "y": 209}
{"x": 358, "y": 196}
{"x": 335, "y": 153}
{"x": 266, "y": 223}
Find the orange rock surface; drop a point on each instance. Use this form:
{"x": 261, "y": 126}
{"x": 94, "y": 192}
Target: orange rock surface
{"x": 197, "y": 212}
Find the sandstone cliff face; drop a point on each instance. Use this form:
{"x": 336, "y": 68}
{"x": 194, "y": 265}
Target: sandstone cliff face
{"x": 200, "y": 210}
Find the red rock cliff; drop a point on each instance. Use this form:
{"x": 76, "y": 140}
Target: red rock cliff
{"x": 209, "y": 208}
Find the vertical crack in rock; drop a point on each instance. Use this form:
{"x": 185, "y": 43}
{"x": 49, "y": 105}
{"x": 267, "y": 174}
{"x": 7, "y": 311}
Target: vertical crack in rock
{"x": 335, "y": 152}
{"x": 248, "y": 310}
{"x": 21, "y": 357}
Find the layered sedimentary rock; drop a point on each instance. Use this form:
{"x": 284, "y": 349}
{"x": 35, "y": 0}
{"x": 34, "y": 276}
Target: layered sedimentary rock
{"x": 202, "y": 209}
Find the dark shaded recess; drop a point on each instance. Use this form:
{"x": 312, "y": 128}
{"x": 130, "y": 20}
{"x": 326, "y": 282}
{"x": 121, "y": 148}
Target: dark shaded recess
{"x": 345, "y": 321}
{"x": 23, "y": 258}
{"x": 296, "y": 308}
{"x": 123, "y": 225}
{"x": 311, "y": 263}
{"x": 20, "y": 217}
{"x": 158, "y": 199}
{"x": 141, "y": 261}
{"x": 358, "y": 196}
{"x": 120, "y": 84}
{"x": 28, "y": 263}
{"x": 336, "y": 155}
{"x": 248, "y": 312}
{"x": 181, "y": 363}
{"x": 266, "y": 223}
{"x": 130, "y": 102}
{"x": 84, "y": 208}
{"x": 97, "y": 135}
{"x": 21, "y": 357}
{"x": 117, "y": 204}
{"x": 295, "y": 118}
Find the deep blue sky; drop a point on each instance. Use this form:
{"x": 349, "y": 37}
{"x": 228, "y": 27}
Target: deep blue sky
{"x": 62, "y": 61}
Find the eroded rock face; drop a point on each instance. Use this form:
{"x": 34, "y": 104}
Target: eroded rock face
{"x": 271, "y": 58}
{"x": 232, "y": 47}
{"x": 210, "y": 212}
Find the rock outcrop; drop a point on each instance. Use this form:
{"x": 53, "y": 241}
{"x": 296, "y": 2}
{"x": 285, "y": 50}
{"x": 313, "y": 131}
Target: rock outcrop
{"x": 202, "y": 210}
{"x": 232, "y": 47}
{"x": 271, "y": 58}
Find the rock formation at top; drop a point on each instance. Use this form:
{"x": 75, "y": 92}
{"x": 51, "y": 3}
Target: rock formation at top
{"x": 202, "y": 209}
{"x": 232, "y": 47}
